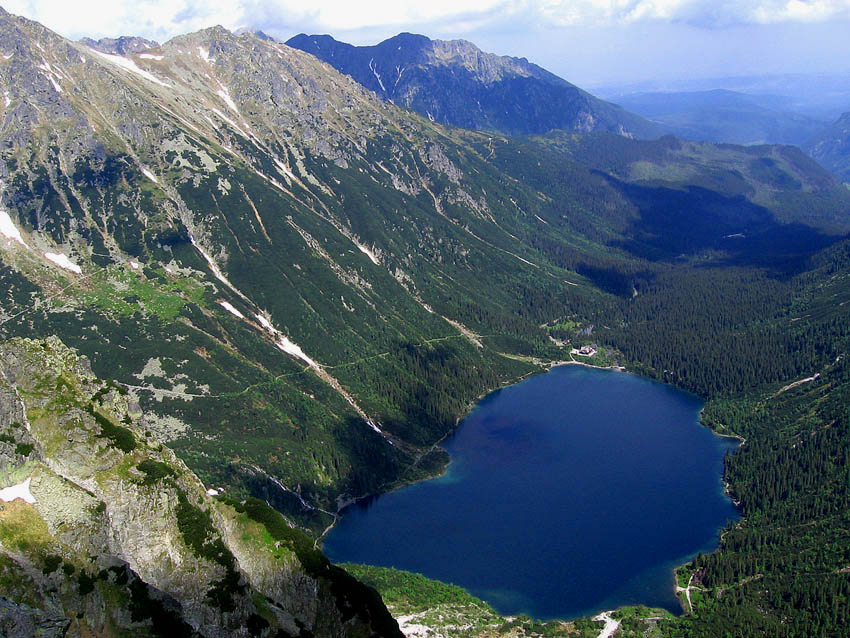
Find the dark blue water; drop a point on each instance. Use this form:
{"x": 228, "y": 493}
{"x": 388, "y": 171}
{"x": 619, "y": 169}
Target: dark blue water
{"x": 572, "y": 492}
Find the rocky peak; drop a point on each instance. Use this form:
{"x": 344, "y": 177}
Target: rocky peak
{"x": 832, "y": 147}
{"x": 120, "y": 46}
{"x": 255, "y": 32}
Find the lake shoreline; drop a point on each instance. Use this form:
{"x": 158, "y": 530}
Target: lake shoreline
{"x": 543, "y": 368}
{"x": 675, "y": 602}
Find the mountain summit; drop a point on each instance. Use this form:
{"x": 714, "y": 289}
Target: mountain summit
{"x": 454, "y": 82}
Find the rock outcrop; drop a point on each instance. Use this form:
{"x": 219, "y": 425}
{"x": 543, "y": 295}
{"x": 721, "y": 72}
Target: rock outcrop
{"x": 103, "y": 530}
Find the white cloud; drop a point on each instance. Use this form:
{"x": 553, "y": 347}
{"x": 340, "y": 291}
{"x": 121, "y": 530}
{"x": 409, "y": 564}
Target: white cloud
{"x": 155, "y": 19}
{"x": 709, "y": 13}
{"x": 162, "y": 19}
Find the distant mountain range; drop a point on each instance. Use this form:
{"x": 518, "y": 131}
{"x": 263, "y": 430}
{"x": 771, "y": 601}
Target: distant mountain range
{"x": 454, "y": 82}
{"x": 832, "y": 147}
{"x": 725, "y": 116}
{"x": 821, "y": 96}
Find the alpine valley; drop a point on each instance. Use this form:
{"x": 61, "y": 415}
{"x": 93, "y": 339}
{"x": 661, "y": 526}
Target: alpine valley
{"x": 240, "y": 290}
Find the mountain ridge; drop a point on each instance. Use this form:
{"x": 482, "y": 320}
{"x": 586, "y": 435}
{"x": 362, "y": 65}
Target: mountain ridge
{"x": 454, "y": 82}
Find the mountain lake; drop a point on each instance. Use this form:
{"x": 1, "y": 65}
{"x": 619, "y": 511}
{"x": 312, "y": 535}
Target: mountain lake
{"x": 572, "y": 492}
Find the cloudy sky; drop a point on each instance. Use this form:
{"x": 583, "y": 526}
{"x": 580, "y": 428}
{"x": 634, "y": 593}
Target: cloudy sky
{"x": 590, "y": 42}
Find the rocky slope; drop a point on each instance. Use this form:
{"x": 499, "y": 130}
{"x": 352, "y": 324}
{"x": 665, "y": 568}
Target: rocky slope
{"x": 454, "y": 82}
{"x": 103, "y": 531}
{"x": 832, "y": 147}
{"x": 120, "y": 46}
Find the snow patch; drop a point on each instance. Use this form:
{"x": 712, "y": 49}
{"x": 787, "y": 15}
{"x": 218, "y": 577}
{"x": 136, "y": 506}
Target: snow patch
{"x": 212, "y": 492}
{"x": 227, "y": 306}
{"x": 265, "y": 323}
{"x": 135, "y": 265}
{"x": 150, "y": 175}
{"x": 372, "y": 68}
{"x": 369, "y": 254}
{"x": 44, "y": 66}
{"x": 21, "y": 491}
{"x": 63, "y": 262}
{"x": 151, "y": 56}
{"x": 232, "y": 123}
{"x": 129, "y": 65}
{"x": 225, "y": 118}
{"x": 205, "y": 56}
{"x": 283, "y": 343}
{"x": 284, "y": 169}
{"x": 6, "y": 97}
{"x": 225, "y": 95}
{"x": 9, "y": 230}
{"x": 295, "y": 350}
{"x": 218, "y": 274}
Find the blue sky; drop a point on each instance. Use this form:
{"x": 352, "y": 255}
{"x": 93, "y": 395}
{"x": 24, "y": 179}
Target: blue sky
{"x": 589, "y": 42}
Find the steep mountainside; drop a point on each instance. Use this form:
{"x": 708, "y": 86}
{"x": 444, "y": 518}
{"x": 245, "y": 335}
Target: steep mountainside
{"x": 103, "y": 531}
{"x": 724, "y": 116}
{"x": 305, "y": 286}
{"x": 454, "y": 82}
{"x": 832, "y": 147}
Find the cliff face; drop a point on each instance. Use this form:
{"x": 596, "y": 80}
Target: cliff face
{"x": 104, "y": 530}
